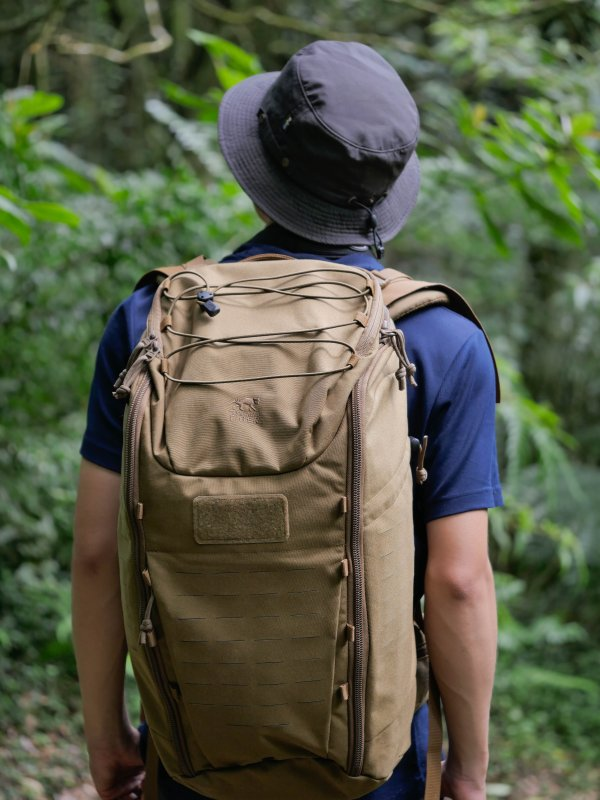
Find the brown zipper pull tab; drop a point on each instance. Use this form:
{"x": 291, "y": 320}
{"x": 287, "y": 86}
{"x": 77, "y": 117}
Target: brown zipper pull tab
{"x": 406, "y": 368}
{"x": 118, "y": 383}
{"x": 420, "y": 471}
{"x": 142, "y": 354}
{"x": 147, "y": 633}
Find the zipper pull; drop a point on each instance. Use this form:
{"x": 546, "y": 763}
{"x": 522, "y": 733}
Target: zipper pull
{"x": 118, "y": 383}
{"x": 401, "y": 377}
{"x": 122, "y": 387}
{"x": 406, "y": 368}
{"x": 420, "y": 471}
{"x": 147, "y": 633}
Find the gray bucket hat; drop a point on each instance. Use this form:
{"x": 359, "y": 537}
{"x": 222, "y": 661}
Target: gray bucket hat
{"x": 326, "y": 147}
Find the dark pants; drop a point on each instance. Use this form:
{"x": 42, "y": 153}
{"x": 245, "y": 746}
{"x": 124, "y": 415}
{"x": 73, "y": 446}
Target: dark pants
{"x": 406, "y": 783}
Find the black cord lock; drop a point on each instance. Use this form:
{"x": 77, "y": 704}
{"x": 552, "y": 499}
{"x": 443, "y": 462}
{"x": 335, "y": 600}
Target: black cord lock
{"x": 207, "y": 303}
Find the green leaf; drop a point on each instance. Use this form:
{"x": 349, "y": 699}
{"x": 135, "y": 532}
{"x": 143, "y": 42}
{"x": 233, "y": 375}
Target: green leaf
{"x": 560, "y": 225}
{"x": 541, "y": 677}
{"x": 52, "y": 212}
{"x": 231, "y": 63}
{"x": 591, "y": 162}
{"x": 236, "y": 56}
{"x": 36, "y": 104}
{"x": 559, "y": 175}
{"x": 228, "y": 77}
{"x": 544, "y": 129}
{"x": 493, "y": 229}
{"x": 107, "y": 185}
{"x": 583, "y": 124}
{"x": 14, "y": 220}
{"x": 11, "y": 261}
{"x": 494, "y": 149}
{"x": 516, "y": 157}
{"x": 10, "y": 195}
{"x": 207, "y": 107}
{"x": 74, "y": 179}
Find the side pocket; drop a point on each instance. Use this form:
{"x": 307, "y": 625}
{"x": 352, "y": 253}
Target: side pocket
{"x": 422, "y": 667}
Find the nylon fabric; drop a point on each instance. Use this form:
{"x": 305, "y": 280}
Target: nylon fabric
{"x": 246, "y": 568}
{"x": 270, "y": 435}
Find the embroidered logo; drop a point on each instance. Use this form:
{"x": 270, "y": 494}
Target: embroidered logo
{"x": 245, "y": 409}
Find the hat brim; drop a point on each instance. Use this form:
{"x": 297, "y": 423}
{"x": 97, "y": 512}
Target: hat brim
{"x": 285, "y": 201}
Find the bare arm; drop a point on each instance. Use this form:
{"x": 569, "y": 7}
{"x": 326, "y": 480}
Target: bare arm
{"x": 461, "y": 625}
{"x": 99, "y": 636}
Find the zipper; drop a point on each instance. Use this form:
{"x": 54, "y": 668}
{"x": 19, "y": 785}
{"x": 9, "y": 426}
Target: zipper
{"x": 131, "y": 473}
{"x": 374, "y": 324}
{"x": 144, "y": 582}
{"x": 165, "y": 689}
{"x": 144, "y": 351}
{"x": 359, "y": 616}
{"x": 358, "y": 604}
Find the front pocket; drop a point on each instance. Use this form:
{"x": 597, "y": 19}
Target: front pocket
{"x": 253, "y": 648}
{"x": 390, "y": 685}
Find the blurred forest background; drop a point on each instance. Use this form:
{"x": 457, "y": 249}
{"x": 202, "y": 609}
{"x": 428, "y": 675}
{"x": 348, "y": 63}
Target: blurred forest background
{"x": 109, "y": 166}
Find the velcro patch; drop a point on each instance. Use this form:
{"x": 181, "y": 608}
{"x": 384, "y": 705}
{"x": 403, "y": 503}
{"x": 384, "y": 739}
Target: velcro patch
{"x": 241, "y": 519}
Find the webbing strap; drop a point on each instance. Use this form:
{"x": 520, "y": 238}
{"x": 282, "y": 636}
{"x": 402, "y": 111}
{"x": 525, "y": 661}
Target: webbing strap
{"x": 155, "y": 276}
{"x": 433, "y": 783}
{"x": 150, "y": 791}
{"x": 269, "y": 257}
{"x": 403, "y": 295}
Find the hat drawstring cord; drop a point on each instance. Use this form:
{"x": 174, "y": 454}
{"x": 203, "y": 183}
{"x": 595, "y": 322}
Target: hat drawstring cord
{"x": 377, "y": 240}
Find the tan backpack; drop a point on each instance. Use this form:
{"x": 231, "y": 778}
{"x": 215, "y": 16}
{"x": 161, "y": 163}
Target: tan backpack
{"x": 266, "y": 534}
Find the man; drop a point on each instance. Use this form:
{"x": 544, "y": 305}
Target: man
{"x": 325, "y": 149}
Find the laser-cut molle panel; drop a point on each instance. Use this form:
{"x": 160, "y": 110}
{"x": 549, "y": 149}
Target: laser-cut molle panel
{"x": 255, "y": 648}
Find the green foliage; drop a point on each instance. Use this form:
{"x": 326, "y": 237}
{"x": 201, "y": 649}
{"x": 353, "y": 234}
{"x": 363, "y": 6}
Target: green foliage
{"x": 62, "y": 289}
{"x": 535, "y": 152}
{"x": 547, "y": 713}
{"x": 24, "y": 124}
{"x": 531, "y": 433}
{"x": 231, "y": 63}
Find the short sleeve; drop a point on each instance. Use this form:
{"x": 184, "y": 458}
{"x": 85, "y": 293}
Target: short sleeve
{"x": 461, "y": 456}
{"x": 103, "y": 438}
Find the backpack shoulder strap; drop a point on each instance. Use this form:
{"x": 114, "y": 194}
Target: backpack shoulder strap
{"x": 157, "y": 275}
{"x": 269, "y": 257}
{"x": 403, "y": 295}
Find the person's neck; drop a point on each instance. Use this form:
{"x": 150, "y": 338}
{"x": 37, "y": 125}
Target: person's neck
{"x": 276, "y": 235}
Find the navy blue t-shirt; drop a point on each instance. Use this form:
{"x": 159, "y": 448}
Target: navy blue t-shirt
{"x": 454, "y": 405}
